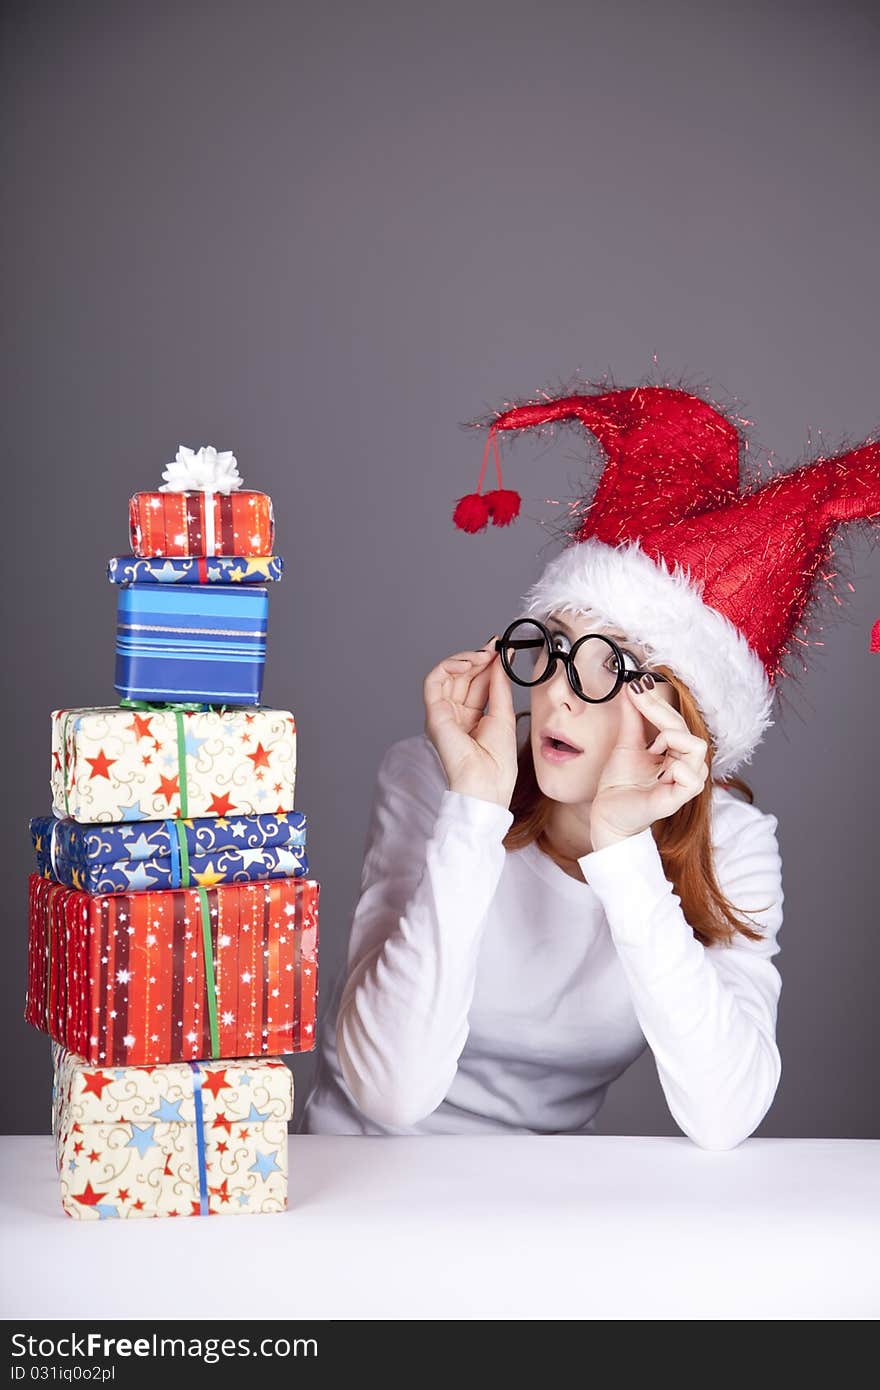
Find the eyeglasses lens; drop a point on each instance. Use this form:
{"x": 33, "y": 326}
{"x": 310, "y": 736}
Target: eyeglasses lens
{"x": 595, "y": 662}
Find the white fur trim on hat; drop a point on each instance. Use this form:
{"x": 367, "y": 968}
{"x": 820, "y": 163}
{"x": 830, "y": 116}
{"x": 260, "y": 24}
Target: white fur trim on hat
{"x": 663, "y": 611}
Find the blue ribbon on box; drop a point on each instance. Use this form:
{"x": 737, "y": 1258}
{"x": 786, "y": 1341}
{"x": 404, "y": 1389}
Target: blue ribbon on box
{"x": 204, "y": 1209}
{"x": 174, "y": 847}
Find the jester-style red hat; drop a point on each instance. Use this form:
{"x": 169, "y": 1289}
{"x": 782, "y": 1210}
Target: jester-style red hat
{"x": 712, "y": 580}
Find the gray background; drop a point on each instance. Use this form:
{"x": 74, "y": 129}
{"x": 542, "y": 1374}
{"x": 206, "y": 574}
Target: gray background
{"x": 323, "y": 237}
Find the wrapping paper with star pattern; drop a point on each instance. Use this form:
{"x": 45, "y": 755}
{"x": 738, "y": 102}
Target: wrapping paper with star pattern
{"x": 195, "y": 569}
{"x": 201, "y": 523}
{"x": 202, "y": 643}
{"x": 115, "y": 764}
{"x": 123, "y": 979}
{"x": 128, "y": 857}
{"x": 127, "y": 1138}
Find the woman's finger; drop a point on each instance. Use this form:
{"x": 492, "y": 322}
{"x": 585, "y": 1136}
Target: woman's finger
{"x": 658, "y": 711}
{"x": 439, "y": 682}
{"x": 477, "y": 692}
{"x": 462, "y": 677}
{"x": 471, "y": 687}
{"x": 500, "y": 693}
{"x": 463, "y": 681}
{"x": 678, "y": 771}
{"x": 681, "y": 743}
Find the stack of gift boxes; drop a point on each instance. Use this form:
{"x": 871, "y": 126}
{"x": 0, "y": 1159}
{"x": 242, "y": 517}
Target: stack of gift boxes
{"x": 172, "y": 924}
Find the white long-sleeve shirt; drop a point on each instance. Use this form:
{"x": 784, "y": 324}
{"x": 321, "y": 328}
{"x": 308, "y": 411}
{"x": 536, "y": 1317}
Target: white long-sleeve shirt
{"x": 487, "y": 990}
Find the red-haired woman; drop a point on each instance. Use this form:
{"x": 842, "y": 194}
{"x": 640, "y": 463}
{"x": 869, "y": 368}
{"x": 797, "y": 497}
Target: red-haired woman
{"x": 531, "y": 919}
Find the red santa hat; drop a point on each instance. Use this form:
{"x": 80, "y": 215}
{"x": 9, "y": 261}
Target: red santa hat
{"x": 712, "y": 580}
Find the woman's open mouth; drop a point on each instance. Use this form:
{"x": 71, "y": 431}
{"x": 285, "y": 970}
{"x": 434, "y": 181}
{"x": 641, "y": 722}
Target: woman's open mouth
{"x": 555, "y": 751}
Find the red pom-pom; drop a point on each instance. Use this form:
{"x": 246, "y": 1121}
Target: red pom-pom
{"x": 471, "y": 513}
{"x": 504, "y": 504}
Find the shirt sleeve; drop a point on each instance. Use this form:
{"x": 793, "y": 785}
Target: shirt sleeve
{"x": 431, "y": 867}
{"x": 707, "y": 1012}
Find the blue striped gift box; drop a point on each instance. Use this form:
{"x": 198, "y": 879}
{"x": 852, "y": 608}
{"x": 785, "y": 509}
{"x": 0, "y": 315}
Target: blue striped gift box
{"x": 188, "y": 642}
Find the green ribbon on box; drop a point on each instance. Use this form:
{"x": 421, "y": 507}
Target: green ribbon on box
{"x": 207, "y": 947}
{"x": 210, "y": 979}
{"x": 178, "y": 709}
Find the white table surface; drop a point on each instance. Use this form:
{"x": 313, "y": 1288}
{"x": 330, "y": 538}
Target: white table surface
{"x": 460, "y": 1227}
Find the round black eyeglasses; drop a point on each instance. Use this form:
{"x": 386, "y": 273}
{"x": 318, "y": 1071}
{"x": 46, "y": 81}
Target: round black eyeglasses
{"x": 596, "y": 666}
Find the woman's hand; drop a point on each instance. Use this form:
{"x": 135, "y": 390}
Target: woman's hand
{"x": 640, "y": 784}
{"x": 477, "y": 749}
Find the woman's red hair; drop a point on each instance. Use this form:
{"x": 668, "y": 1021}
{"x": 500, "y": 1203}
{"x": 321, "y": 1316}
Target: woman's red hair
{"x": 683, "y": 839}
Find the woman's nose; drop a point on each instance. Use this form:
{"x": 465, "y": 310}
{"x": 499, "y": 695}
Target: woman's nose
{"x": 559, "y": 686}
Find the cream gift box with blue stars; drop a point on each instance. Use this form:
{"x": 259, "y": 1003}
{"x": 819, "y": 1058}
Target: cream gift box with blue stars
{"x": 185, "y": 1139}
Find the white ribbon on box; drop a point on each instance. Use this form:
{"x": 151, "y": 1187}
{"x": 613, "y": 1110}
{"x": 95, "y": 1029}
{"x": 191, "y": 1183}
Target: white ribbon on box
{"x": 203, "y": 470}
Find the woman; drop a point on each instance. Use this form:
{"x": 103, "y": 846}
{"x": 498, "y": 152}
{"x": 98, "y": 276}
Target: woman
{"x": 505, "y": 965}
{"x": 530, "y": 920}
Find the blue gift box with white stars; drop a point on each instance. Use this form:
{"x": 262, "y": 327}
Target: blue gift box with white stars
{"x": 123, "y": 858}
{"x": 195, "y": 569}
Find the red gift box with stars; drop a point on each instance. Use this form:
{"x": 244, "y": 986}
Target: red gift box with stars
{"x": 125, "y": 979}
{"x": 201, "y": 523}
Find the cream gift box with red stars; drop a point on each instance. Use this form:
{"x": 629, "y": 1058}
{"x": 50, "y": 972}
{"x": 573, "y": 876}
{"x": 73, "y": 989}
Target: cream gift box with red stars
{"x": 125, "y": 764}
{"x": 208, "y": 1138}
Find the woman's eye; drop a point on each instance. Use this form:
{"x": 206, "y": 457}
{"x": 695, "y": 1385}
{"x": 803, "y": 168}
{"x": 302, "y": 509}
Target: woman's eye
{"x": 557, "y": 638}
{"x": 630, "y": 662}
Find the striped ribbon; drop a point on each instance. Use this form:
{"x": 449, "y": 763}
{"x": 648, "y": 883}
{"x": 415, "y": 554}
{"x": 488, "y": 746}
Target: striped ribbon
{"x": 180, "y": 874}
{"x": 204, "y": 1209}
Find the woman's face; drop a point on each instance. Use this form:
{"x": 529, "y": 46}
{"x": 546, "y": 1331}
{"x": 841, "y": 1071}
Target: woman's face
{"x": 590, "y": 728}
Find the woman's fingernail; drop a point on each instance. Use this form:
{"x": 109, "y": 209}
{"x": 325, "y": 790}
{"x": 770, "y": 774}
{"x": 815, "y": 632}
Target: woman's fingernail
{"x": 636, "y": 688}
{"x": 648, "y": 681}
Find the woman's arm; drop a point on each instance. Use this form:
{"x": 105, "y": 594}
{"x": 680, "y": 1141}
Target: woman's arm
{"x": 432, "y": 863}
{"x": 708, "y": 1013}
